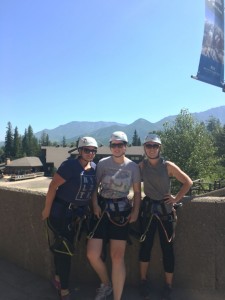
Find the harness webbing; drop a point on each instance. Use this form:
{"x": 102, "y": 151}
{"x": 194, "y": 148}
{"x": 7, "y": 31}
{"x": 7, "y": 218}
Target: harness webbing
{"x": 150, "y": 215}
{"x": 77, "y": 222}
{"x": 59, "y": 240}
{"x": 116, "y": 220}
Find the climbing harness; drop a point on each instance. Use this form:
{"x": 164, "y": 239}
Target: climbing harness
{"x": 91, "y": 234}
{"x": 150, "y": 210}
{"x": 60, "y": 244}
{"x": 118, "y": 215}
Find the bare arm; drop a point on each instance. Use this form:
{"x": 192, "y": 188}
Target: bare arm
{"x": 96, "y": 207}
{"x": 137, "y": 202}
{"x": 57, "y": 180}
{"x": 175, "y": 171}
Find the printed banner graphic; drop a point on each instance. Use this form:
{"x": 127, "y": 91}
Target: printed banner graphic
{"x": 211, "y": 64}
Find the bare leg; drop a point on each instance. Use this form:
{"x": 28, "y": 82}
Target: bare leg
{"x": 117, "y": 251}
{"x": 94, "y": 250}
{"x": 144, "y": 270}
{"x": 168, "y": 286}
{"x": 169, "y": 278}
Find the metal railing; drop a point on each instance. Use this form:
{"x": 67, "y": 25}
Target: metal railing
{"x": 26, "y": 176}
{"x": 201, "y": 187}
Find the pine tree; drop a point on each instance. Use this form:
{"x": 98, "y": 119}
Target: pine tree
{"x": 25, "y": 143}
{"x": 44, "y": 140}
{"x": 30, "y": 143}
{"x": 136, "y": 140}
{"x": 17, "y": 144}
{"x": 9, "y": 141}
{"x": 64, "y": 141}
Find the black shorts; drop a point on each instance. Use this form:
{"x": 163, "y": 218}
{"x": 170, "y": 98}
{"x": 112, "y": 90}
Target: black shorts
{"x": 107, "y": 230}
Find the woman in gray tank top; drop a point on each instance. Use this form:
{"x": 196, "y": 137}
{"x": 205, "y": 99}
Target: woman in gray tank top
{"x": 158, "y": 211}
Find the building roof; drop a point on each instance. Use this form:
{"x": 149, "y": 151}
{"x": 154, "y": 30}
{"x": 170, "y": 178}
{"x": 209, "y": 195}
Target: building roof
{"x": 105, "y": 150}
{"x": 31, "y": 161}
{"x": 56, "y": 155}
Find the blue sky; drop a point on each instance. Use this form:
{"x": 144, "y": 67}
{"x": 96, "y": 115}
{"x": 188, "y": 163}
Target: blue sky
{"x": 100, "y": 60}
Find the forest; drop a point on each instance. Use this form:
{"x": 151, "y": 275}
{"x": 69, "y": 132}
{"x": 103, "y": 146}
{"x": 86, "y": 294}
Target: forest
{"x": 196, "y": 147}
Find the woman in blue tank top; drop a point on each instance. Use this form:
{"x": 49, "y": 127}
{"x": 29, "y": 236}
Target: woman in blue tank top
{"x": 67, "y": 200}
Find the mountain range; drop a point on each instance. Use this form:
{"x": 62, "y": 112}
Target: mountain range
{"x": 101, "y": 131}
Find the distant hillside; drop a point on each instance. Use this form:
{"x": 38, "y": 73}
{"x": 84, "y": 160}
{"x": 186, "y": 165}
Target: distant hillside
{"x": 72, "y": 129}
{"x": 217, "y": 112}
{"x": 143, "y": 126}
{"x": 102, "y": 130}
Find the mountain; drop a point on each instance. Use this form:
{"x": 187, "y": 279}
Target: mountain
{"x": 217, "y": 112}
{"x": 142, "y": 126}
{"x": 102, "y": 130}
{"x": 75, "y": 128}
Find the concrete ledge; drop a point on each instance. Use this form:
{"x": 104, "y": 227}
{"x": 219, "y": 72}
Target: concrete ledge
{"x": 199, "y": 243}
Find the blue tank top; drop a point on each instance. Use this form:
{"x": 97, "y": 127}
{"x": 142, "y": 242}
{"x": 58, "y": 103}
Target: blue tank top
{"x": 79, "y": 183}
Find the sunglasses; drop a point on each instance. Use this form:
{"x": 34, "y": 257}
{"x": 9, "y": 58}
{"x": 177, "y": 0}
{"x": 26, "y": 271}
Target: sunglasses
{"x": 120, "y": 145}
{"x": 150, "y": 146}
{"x": 88, "y": 151}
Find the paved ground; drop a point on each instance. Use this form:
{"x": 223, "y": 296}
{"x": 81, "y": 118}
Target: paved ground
{"x": 19, "y": 284}
{"x": 39, "y": 184}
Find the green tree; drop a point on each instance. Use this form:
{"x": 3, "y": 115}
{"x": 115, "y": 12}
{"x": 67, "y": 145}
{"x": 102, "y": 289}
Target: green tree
{"x": 213, "y": 126}
{"x": 47, "y": 140}
{"x": 189, "y": 144}
{"x": 30, "y": 143}
{"x": 220, "y": 144}
{"x": 44, "y": 140}
{"x": 218, "y": 135}
{"x": 2, "y": 155}
{"x": 136, "y": 140}
{"x": 25, "y": 143}
{"x": 8, "y": 149}
{"x": 64, "y": 141}
{"x": 17, "y": 144}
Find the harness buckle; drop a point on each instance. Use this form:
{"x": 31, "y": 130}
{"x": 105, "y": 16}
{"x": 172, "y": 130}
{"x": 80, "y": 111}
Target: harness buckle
{"x": 70, "y": 206}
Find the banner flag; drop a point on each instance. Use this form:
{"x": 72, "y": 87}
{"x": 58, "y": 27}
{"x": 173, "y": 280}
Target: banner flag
{"x": 211, "y": 64}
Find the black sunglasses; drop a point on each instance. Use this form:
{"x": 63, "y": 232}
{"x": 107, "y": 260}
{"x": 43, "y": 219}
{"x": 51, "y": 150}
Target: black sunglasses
{"x": 154, "y": 146}
{"x": 88, "y": 151}
{"x": 120, "y": 145}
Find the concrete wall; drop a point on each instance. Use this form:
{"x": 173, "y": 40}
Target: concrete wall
{"x": 199, "y": 243}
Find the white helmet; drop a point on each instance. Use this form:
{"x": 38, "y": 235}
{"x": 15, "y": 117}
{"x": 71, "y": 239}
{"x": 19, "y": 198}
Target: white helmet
{"x": 87, "y": 141}
{"x": 151, "y": 137}
{"x": 119, "y": 136}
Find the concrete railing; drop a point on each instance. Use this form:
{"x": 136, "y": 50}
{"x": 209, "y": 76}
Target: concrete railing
{"x": 199, "y": 242}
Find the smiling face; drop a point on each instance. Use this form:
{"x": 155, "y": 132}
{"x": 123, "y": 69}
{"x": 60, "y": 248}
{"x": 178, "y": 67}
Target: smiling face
{"x": 118, "y": 148}
{"x": 88, "y": 153}
{"x": 152, "y": 150}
